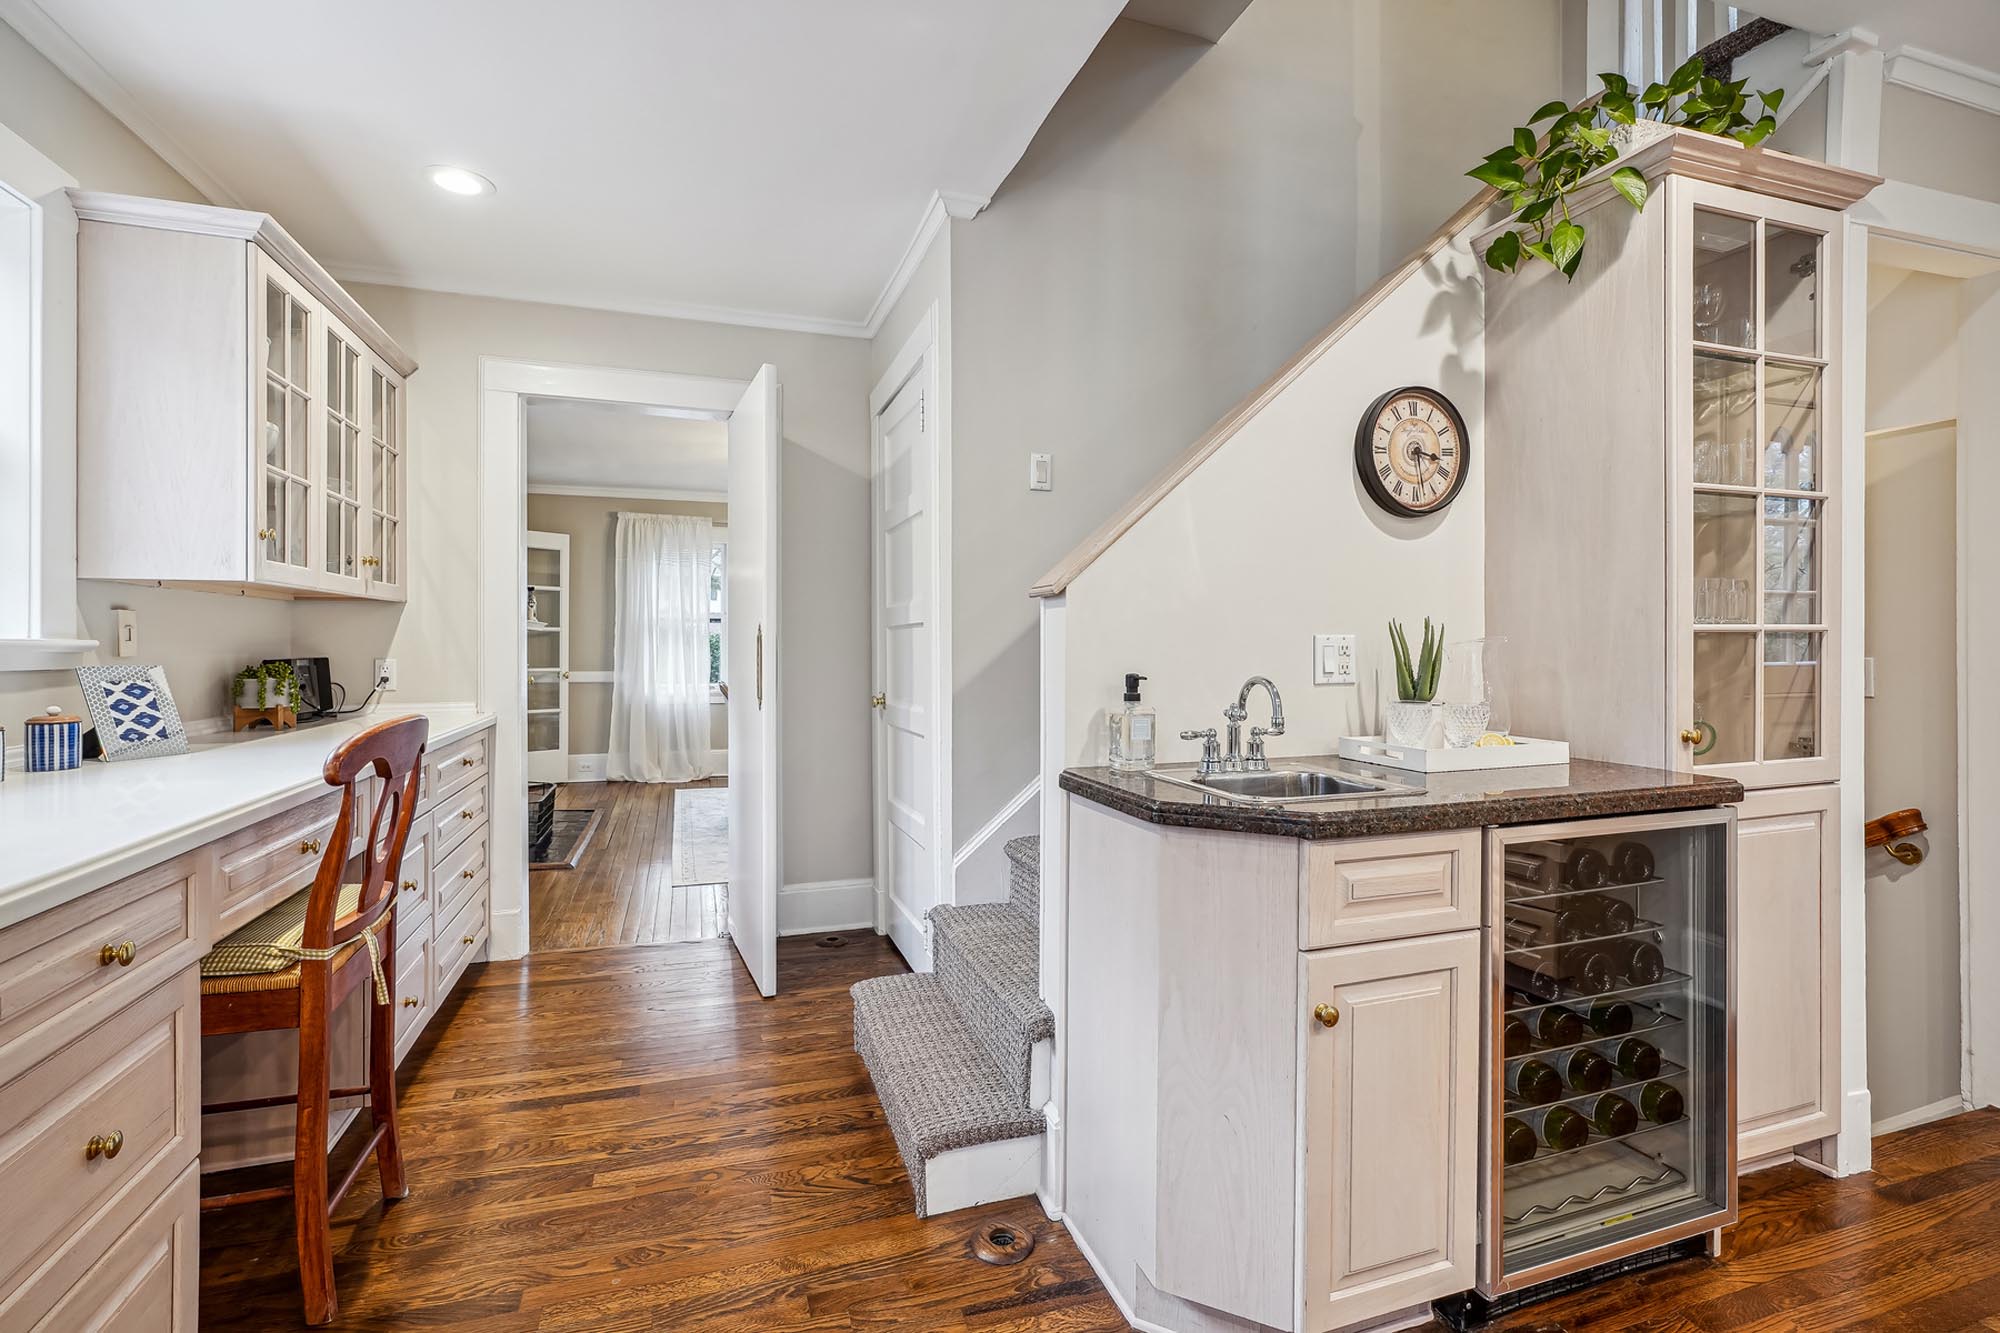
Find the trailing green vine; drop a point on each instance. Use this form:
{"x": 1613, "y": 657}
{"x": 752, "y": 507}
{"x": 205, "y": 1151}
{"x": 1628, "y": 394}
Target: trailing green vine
{"x": 269, "y": 675}
{"x": 1537, "y": 173}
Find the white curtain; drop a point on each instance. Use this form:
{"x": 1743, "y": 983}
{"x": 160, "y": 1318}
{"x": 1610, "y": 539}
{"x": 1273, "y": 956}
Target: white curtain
{"x": 659, "y": 669}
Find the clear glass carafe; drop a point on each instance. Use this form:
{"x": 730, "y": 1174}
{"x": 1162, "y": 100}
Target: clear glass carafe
{"x": 1472, "y": 691}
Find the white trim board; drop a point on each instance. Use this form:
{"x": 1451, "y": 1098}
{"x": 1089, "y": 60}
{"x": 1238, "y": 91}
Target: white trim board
{"x": 825, "y": 906}
{"x": 1941, "y": 76}
{"x": 628, "y": 492}
{"x": 979, "y": 870}
{"x": 592, "y": 767}
{"x": 943, "y": 207}
{"x": 1922, "y": 1115}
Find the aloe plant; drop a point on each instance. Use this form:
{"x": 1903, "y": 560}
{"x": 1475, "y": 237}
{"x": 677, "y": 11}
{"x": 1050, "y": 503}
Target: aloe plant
{"x": 1417, "y": 682}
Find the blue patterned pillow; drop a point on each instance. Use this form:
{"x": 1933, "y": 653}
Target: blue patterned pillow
{"x": 133, "y": 711}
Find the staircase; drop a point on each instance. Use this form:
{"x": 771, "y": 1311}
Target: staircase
{"x": 960, "y": 1055}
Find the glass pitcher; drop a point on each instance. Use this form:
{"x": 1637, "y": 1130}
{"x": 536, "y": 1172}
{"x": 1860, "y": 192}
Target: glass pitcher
{"x": 1471, "y": 688}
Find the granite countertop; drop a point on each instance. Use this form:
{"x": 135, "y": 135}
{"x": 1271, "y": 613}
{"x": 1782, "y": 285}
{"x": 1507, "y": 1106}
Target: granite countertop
{"x": 64, "y": 834}
{"x": 1580, "y": 789}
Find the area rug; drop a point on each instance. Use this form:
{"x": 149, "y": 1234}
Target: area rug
{"x": 573, "y": 831}
{"x": 701, "y": 835}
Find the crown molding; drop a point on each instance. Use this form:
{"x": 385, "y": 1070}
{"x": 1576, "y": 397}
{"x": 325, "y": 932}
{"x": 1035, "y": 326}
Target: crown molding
{"x": 62, "y": 50}
{"x": 628, "y": 493}
{"x": 1840, "y": 43}
{"x": 943, "y": 206}
{"x": 1941, "y": 76}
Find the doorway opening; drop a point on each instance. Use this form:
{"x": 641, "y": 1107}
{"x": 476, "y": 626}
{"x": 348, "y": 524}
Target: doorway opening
{"x": 628, "y": 600}
{"x": 626, "y": 618}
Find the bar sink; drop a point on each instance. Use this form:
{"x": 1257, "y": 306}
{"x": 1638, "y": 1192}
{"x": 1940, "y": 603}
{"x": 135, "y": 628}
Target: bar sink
{"x": 1281, "y": 786}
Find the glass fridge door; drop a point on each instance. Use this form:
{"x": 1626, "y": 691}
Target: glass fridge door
{"x": 1612, "y": 1125}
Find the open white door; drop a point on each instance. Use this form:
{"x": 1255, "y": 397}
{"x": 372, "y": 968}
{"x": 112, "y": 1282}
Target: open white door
{"x": 755, "y": 866}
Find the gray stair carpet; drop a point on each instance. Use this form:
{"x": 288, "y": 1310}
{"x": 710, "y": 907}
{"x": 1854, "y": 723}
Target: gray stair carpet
{"x": 937, "y": 1087}
{"x": 951, "y": 1051}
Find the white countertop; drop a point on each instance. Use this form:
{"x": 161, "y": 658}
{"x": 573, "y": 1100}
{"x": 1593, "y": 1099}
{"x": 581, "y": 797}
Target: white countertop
{"x": 64, "y": 834}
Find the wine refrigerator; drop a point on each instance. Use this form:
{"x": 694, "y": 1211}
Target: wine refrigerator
{"x": 1611, "y": 1124}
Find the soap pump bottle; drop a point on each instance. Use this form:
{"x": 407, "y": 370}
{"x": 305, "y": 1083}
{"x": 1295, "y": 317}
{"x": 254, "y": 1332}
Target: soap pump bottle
{"x": 1132, "y": 732}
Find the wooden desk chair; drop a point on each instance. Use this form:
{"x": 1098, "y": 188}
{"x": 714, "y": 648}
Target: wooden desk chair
{"x": 292, "y": 967}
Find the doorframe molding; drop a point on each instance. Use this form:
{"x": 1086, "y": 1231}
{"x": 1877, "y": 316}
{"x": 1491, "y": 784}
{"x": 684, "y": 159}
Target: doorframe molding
{"x": 922, "y": 353}
{"x": 502, "y": 636}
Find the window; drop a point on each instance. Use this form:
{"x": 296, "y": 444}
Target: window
{"x": 718, "y": 618}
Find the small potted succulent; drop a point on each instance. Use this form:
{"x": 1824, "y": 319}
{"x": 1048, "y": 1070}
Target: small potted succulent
{"x": 267, "y": 685}
{"x": 1408, "y": 719}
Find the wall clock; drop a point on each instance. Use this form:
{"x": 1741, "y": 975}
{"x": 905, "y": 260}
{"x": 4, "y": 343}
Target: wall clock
{"x": 1412, "y": 451}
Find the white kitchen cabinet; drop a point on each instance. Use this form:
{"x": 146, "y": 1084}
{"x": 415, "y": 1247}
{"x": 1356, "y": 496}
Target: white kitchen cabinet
{"x": 239, "y": 415}
{"x": 1392, "y": 1102}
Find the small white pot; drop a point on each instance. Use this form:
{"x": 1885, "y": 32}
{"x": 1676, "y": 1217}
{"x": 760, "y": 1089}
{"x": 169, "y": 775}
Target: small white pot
{"x": 246, "y": 694}
{"x": 1408, "y": 722}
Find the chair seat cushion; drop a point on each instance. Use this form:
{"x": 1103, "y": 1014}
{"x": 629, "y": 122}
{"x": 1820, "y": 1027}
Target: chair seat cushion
{"x": 264, "y": 954}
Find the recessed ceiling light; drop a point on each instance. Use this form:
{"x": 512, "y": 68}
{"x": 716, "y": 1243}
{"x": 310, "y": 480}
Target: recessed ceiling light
{"x": 457, "y": 180}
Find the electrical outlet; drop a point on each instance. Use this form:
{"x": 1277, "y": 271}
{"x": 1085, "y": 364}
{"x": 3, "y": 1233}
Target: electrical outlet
{"x": 385, "y": 673}
{"x": 1333, "y": 659}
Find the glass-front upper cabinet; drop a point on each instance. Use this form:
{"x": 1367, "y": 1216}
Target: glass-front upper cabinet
{"x": 341, "y": 555}
{"x": 386, "y": 480}
{"x": 1757, "y": 548}
{"x": 285, "y": 319}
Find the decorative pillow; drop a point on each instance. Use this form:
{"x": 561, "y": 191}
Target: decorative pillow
{"x": 133, "y": 711}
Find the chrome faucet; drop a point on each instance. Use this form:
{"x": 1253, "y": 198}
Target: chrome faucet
{"x": 1215, "y": 760}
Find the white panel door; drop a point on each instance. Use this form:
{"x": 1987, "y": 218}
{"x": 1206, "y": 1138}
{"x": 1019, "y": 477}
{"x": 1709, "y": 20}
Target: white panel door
{"x": 905, "y": 865}
{"x": 756, "y": 866}
{"x": 1392, "y": 1099}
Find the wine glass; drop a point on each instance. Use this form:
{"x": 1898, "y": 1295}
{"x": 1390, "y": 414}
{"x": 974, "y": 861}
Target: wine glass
{"x": 1708, "y": 307}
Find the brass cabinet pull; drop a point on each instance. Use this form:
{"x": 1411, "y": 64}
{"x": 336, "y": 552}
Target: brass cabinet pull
{"x": 411, "y": 1002}
{"x": 465, "y": 814}
{"x": 1690, "y": 736}
{"x": 122, "y": 954}
{"x": 466, "y": 940}
{"x": 409, "y": 886}
{"x": 466, "y": 761}
{"x": 104, "y": 1145}
{"x": 465, "y": 874}
{"x": 267, "y": 534}
{"x": 308, "y": 846}
{"x": 1327, "y": 1015}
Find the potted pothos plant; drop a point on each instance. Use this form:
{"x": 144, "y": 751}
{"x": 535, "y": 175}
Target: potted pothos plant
{"x": 1536, "y": 172}
{"x": 268, "y": 685}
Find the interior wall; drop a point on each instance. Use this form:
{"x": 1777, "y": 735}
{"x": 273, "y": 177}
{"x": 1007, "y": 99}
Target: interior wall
{"x": 1199, "y": 616}
{"x": 823, "y": 575}
{"x": 1943, "y": 145}
{"x": 591, "y": 601}
{"x": 1186, "y": 219}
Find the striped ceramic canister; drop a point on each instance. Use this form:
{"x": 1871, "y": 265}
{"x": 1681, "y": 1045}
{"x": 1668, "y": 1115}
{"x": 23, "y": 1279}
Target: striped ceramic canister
{"x": 54, "y": 742}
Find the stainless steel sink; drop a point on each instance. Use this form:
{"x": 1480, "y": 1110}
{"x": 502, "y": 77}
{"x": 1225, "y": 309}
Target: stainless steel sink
{"x": 1283, "y": 785}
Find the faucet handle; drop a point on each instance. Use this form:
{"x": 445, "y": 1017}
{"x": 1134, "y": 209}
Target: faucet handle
{"x": 1255, "y": 760}
{"x": 1211, "y": 749}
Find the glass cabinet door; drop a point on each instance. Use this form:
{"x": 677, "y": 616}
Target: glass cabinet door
{"x": 341, "y": 554}
{"x": 385, "y": 481}
{"x": 285, "y": 496}
{"x": 1755, "y": 597}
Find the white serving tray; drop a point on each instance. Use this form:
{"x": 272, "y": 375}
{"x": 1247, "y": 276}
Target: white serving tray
{"x": 1525, "y": 752}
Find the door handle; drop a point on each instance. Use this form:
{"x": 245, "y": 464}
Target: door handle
{"x": 879, "y": 701}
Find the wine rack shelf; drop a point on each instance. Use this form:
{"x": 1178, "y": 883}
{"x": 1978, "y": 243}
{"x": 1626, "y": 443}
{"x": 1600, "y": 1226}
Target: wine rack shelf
{"x": 1649, "y": 1023}
{"x": 1649, "y": 929}
{"x": 1572, "y": 1157}
{"x": 1528, "y": 895}
{"x": 1669, "y": 1071}
{"x": 1619, "y": 1189}
{"x": 1673, "y": 982}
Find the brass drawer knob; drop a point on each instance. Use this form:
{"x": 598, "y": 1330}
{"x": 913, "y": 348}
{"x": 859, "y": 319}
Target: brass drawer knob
{"x": 466, "y": 761}
{"x": 1326, "y": 1015}
{"x": 1690, "y": 736}
{"x": 411, "y": 1001}
{"x": 409, "y": 886}
{"x": 465, "y": 874}
{"x": 466, "y": 940}
{"x": 121, "y": 953}
{"x": 104, "y": 1145}
{"x": 308, "y": 846}
{"x": 465, "y": 814}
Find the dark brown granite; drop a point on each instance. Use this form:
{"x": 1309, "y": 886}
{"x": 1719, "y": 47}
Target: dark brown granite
{"x": 1580, "y": 789}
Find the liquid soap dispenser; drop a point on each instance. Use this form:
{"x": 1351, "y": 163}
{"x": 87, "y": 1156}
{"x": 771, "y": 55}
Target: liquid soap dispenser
{"x": 1132, "y": 732}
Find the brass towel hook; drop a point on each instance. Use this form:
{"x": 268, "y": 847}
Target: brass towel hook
{"x": 1889, "y": 833}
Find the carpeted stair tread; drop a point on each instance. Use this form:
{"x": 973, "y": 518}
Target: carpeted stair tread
{"x": 936, "y": 1085}
{"x": 989, "y": 957}
{"x": 1024, "y": 873}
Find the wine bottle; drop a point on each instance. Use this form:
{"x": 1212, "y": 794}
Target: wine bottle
{"x": 1632, "y": 863}
{"x": 1638, "y": 1058}
{"x": 1610, "y": 1018}
{"x": 1578, "y": 866}
{"x": 1661, "y": 1103}
{"x": 1559, "y": 1128}
{"x": 1588, "y": 967}
{"x": 1534, "y": 977}
{"x": 1531, "y": 870}
{"x": 1638, "y": 961}
{"x": 1587, "y": 1071}
{"x": 1517, "y": 1142}
{"x": 1613, "y": 1116}
{"x": 1534, "y": 1082}
{"x": 1614, "y": 915}
{"x": 1557, "y": 1026}
{"x": 1516, "y": 1038}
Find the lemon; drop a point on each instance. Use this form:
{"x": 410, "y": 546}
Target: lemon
{"x": 1492, "y": 738}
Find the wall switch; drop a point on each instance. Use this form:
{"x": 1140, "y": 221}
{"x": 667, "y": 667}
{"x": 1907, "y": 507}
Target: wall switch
{"x": 127, "y": 636}
{"x": 1868, "y": 678}
{"x": 1333, "y": 659}
{"x": 385, "y": 673}
{"x": 1041, "y": 472}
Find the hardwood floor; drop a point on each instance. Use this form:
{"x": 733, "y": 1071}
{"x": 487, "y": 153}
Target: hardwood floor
{"x": 628, "y": 1139}
{"x": 623, "y": 890}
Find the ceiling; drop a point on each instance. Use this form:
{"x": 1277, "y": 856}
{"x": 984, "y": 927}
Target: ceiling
{"x": 765, "y": 162}
{"x": 622, "y": 448}
{"x": 1966, "y": 30}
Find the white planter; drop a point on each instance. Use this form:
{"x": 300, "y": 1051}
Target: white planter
{"x": 1628, "y": 139}
{"x": 1408, "y": 722}
{"x": 246, "y": 695}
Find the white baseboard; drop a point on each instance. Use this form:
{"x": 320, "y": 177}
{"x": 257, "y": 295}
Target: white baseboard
{"x": 979, "y": 869}
{"x": 591, "y": 767}
{"x": 829, "y": 905}
{"x": 1921, "y": 1115}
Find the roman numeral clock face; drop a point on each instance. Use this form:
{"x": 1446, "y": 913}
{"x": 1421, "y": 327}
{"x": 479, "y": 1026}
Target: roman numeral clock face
{"x": 1412, "y": 452}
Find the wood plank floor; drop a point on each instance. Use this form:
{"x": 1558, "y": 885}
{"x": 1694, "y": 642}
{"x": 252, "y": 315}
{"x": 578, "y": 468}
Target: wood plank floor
{"x": 629, "y": 1139}
{"x": 623, "y": 890}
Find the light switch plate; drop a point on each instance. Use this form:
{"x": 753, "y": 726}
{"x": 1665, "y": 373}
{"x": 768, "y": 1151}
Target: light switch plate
{"x": 127, "y": 633}
{"x": 1333, "y": 659}
{"x": 1868, "y": 678}
{"x": 1041, "y": 472}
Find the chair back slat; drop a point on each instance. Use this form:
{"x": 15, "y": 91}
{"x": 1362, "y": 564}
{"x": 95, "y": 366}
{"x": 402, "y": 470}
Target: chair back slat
{"x": 394, "y": 752}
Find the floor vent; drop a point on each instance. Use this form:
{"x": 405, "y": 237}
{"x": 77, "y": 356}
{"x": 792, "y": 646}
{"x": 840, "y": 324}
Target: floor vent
{"x": 1001, "y": 1243}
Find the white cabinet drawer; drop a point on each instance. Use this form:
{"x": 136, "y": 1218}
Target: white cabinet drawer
{"x": 457, "y": 874}
{"x": 411, "y": 992}
{"x": 144, "y": 1281}
{"x": 414, "y": 899}
{"x": 455, "y": 818}
{"x": 271, "y": 860}
{"x": 457, "y": 942}
{"x": 1362, "y": 889}
{"x": 454, "y": 766}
